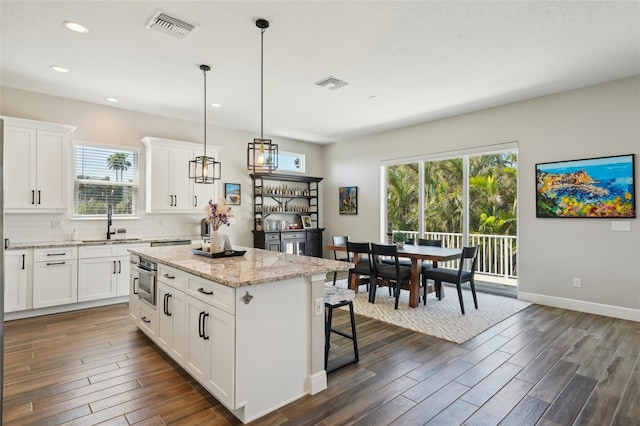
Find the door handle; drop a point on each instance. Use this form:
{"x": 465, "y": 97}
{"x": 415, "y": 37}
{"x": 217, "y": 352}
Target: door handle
{"x": 33, "y": 197}
{"x": 135, "y": 291}
{"x": 38, "y": 196}
{"x": 166, "y": 304}
{"x": 205, "y": 337}
{"x": 114, "y": 267}
{"x": 119, "y": 266}
{"x": 200, "y": 332}
{"x": 23, "y": 256}
{"x": 195, "y": 201}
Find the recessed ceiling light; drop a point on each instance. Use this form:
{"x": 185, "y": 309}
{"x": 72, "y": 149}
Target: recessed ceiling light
{"x": 374, "y": 97}
{"x": 74, "y": 26}
{"x": 111, "y": 100}
{"x": 216, "y": 105}
{"x": 58, "y": 68}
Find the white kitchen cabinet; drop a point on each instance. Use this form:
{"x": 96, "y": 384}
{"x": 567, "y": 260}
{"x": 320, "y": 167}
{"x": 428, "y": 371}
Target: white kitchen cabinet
{"x": 210, "y": 350}
{"x": 36, "y": 165}
{"x": 171, "y": 321}
{"x": 134, "y": 277}
{"x": 16, "y": 274}
{"x": 55, "y": 276}
{"x": 169, "y": 189}
{"x": 103, "y": 271}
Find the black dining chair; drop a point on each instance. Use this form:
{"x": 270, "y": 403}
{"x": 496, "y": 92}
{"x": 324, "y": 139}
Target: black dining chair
{"x": 427, "y": 264}
{"x": 363, "y": 267}
{"x": 343, "y": 258}
{"x": 457, "y": 276}
{"x": 395, "y": 274}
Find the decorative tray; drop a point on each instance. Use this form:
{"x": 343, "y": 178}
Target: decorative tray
{"x": 226, "y": 253}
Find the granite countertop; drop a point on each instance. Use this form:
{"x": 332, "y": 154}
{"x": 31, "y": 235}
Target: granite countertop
{"x": 97, "y": 242}
{"x": 255, "y": 267}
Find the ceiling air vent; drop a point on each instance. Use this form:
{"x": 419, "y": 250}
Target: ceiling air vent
{"x": 169, "y": 25}
{"x": 331, "y": 83}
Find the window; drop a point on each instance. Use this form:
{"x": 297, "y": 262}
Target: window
{"x": 103, "y": 176}
{"x": 290, "y": 162}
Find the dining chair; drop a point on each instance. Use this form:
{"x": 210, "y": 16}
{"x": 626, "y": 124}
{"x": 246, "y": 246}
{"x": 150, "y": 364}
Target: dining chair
{"x": 345, "y": 258}
{"x": 457, "y": 276}
{"x": 395, "y": 274}
{"x": 363, "y": 267}
{"x": 427, "y": 264}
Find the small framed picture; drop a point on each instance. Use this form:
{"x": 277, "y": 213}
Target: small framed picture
{"x": 348, "y": 199}
{"x": 306, "y": 222}
{"x": 232, "y": 193}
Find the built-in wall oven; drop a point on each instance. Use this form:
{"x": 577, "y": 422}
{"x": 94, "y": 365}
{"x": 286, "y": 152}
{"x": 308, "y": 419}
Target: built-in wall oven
{"x": 147, "y": 271}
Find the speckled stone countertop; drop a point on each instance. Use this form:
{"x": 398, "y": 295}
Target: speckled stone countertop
{"x": 255, "y": 267}
{"x": 96, "y": 242}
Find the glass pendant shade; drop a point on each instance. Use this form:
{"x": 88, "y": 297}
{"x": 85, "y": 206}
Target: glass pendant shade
{"x": 204, "y": 169}
{"x": 262, "y": 154}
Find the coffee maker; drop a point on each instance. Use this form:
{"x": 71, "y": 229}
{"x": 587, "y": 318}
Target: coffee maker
{"x": 205, "y": 228}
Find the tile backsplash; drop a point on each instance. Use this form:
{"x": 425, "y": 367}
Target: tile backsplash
{"x": 50, "y": 227}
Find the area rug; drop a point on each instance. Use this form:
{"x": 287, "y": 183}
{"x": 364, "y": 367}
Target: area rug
{"x": 439, "y": 318}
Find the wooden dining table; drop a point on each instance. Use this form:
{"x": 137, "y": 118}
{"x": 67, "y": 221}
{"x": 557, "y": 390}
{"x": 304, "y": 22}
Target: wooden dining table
{"x": 417, "y": 254}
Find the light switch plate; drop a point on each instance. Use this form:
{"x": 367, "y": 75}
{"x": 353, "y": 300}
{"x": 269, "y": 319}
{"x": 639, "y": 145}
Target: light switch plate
{"x": 621, "y": 226}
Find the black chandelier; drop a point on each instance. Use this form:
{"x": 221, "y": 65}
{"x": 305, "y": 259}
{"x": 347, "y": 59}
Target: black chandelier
{"x": 262, "y": 154}
{"x": 205, "y": 169}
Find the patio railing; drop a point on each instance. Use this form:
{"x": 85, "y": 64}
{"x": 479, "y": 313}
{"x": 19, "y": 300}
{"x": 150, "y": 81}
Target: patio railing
{"x": 496, "y": 256}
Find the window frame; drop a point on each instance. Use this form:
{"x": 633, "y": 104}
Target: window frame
{"x": 300, "y": 156}
{"x": 136, "y": 184}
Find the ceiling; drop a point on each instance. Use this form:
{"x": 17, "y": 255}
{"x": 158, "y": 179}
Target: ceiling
{"x": 423, "y": 60}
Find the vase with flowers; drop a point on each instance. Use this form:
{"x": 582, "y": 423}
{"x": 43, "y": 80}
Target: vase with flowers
{"x": 218, "y": 214}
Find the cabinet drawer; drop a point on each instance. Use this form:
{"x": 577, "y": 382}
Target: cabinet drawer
{"x": 148, "y": 320}
{"x": 294, "y": 236}
{"x": 173, "y": 277}
{"x": 216, "y": 295}
{"x": 55, "y": 254}
{"x": 272, "y": 237}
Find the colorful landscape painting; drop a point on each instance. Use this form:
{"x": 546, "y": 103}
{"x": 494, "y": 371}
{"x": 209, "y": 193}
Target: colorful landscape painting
{"x": 591, "y": 188}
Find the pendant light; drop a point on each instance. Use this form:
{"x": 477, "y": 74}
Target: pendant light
{"x": 262, "y": 154}
{"x": 204, "y": 169}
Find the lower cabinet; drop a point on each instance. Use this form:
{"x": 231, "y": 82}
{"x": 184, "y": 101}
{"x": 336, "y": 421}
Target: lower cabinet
{"x": 171, "y": 321}
{"x": 210, "y": 349}
{"x": 304, "y": 242}
{"x": 55, "y": 277}
{"x": 16, "y": 266}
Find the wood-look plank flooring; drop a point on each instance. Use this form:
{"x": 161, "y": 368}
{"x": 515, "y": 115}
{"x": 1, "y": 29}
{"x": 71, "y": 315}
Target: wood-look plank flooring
{"x": 542, "y": 366}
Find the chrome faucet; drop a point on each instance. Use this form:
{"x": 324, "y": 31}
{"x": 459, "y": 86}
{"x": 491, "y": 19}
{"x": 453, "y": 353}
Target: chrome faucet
{"x": 109, "y": 214}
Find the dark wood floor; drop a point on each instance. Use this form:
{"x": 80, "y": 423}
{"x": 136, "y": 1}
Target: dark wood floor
{"x": 542, "y": 366}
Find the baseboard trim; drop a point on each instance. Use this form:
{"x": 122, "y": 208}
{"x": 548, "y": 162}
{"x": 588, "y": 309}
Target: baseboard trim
{"x": 317, "y": 382}
{"x": 582, "y": 306}
{"x": 10, "y": 316}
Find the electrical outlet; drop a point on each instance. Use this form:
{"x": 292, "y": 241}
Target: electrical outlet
{"x": 318, "y": 307}
{"x": 56, "y": 224}
{"x": 577, "y": 282}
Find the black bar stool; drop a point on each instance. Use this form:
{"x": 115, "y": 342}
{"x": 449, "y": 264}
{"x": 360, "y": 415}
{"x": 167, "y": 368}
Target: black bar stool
{"x": 330, "y": 305}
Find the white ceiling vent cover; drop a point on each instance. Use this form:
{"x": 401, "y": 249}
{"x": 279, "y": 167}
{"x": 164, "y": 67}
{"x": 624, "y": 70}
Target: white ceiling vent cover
{"x": 331, "y": 83}
{"x": 169, "y": 25}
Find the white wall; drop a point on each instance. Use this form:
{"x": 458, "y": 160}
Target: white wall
{"x": 116, "y": 126}
{"x": 595, "y": 121}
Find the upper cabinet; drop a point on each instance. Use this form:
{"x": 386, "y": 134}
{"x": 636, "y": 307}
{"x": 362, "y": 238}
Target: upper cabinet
{"x": 36, "y": 165}
{"x": 168, "y": 187}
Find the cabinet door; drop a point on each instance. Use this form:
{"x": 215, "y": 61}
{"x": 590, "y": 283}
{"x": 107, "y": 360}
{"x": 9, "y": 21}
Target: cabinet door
{"x": 15, "y": 280}
{"x": 97, "y": 278}
{"x": 134, "y": 300}
{"x": 182, "y": 185}
{"x": 20, "y": 168}
{"x": 55, "y": 283}
{"x": 160, "y": 188}
{"x": 198, "y": 351}
{"x": 51, "y": 166}
{"x": 171, "y": 322}
{"x": 123, "y": 276}
{"x": 221, "y": 331}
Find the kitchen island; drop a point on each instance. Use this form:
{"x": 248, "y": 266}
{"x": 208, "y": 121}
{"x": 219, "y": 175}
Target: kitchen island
{"x": 250, "y": 328}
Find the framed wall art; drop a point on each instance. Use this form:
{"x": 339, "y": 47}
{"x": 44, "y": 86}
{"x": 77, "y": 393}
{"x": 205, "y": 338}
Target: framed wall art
{"x": 602, "y": 187}
{"x": 306, "y": 222}
{"x": 232, "y": 193}
{"x": 348, "y": 199}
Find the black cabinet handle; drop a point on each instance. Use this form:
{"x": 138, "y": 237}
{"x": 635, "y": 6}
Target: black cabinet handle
{"x": 171, "y": 277}
{"x": 55, "y": 263}
{"x": 23, "y": 256}
{"x": 144, "y": 319}
{"x": 195, "y": 201}
{"x": 200, "y": 325}
{"x": 176, "y": 203}
{"x": 38, "y": 196}
{"x": 208, "y": 293}
{"x": 135, "y": 291}
{"x": 166, "y": 304}
{"x": 114, "y": 267}
{"x": 33, "y": 197}
{"x": 171, "y": 204}
{"x": 119, "y": 266}
{"x": 205, "y": 337}
{"x": 55, "y": 254}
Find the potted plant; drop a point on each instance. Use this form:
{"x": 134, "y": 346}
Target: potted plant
{"x": 400, "y": 238}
